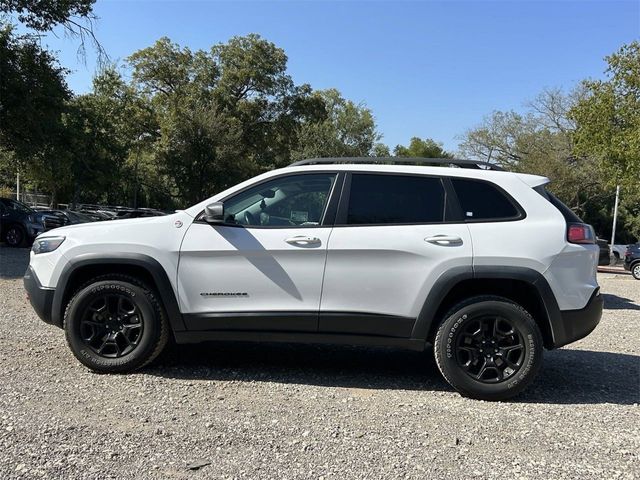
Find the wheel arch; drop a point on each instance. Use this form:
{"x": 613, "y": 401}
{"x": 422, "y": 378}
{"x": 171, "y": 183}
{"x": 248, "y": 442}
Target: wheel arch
{"x": 522, "y": 285}
{"x": 81, "y": 269}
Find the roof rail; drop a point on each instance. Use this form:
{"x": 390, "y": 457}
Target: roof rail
{"x": 401, "y": 160}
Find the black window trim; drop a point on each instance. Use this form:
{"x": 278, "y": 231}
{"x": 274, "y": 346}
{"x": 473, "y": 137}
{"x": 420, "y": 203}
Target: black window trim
{"x": 453, "y": 210}
{"x": 328, "y": 216}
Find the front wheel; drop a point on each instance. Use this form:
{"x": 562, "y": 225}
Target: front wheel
{"x": 115, "y": 325}
{"x": 488, "y": 348}
{"x": 15, "y": 236}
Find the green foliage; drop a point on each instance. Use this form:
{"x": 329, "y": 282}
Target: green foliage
{"x": 223, "y": 115}
{"x": 42, "y": 15}
{"x": 33, "y": 92}
{"x": 418, "y": 147}
{"x": 347, "y": 130}
{"x": 608, "y": 119}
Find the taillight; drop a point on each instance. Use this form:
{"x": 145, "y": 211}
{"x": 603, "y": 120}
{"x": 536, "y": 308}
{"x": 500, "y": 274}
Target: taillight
{"x": 580, "y": 233}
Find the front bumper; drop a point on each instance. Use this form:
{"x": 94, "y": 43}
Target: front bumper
{"x": 41, "y": 298}
{"x": 577, "y": 324}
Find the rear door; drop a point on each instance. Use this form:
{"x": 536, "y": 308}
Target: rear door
{"x": 395, "y": 234}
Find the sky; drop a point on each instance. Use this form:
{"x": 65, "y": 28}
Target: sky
{"x": 425, "y": 68}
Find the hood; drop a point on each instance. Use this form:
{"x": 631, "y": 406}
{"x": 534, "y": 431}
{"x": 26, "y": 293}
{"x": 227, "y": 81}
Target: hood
{"x": 107, "y": 225}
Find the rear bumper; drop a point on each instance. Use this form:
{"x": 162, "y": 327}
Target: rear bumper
{"x": 41, "y": 298}
{"x": 577, "y": 324}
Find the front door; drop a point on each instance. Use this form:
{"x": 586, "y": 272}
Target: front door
{"x": 262, "y": 269}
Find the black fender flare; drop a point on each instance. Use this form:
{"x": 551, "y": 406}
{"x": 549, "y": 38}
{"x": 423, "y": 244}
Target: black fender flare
{"x": 167, "y": 295}
{"x": 449, "y": 279}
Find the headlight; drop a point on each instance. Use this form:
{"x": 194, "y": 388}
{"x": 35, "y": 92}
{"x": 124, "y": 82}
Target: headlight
{"x": 46, "y": 245}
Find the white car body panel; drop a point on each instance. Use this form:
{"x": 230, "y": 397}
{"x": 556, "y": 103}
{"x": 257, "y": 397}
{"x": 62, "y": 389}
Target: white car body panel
{"x": 156, "y": 237}
{"x": 389, "y": 269}
{"x": 275, "y": 275}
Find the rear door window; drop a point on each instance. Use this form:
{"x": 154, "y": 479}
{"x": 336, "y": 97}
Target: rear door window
{"x": 395, "y": 199}
{"x": 481, "y": 200}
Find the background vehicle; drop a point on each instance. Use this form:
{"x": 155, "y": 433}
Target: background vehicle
{"x": 618, "y": 252}
{"x": 19, "y": 224}
{"x": 632, "y": 260}
{"x": 485, "y": 265}
{"x": 59, "y": 218}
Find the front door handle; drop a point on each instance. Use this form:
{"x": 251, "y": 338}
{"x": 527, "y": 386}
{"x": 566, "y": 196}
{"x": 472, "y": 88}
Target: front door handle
{"x": 303, "y": 241}
{"x": 445, "y": 240}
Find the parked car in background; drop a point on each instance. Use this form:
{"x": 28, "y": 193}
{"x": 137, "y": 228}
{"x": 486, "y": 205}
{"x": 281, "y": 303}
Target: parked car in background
{"x": 19, "y": 223}
{"x": 632, "y": 260}
{"x": 110, "y": 212}
{"x": 619, "y": 251}
{"x": 603, "y": 258}
{"x": 138, "y": 213}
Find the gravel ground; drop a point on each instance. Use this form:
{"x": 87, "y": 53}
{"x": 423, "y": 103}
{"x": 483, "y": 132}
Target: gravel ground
{"x": 274, "y": 411}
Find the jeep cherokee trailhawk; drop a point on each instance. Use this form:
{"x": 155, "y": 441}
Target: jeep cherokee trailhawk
{"x": 485, "y": 265}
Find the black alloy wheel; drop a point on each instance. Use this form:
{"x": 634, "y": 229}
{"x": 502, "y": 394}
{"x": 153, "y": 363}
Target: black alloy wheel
{"x": 112, "y": 325}
{"x": 490, "y": 349}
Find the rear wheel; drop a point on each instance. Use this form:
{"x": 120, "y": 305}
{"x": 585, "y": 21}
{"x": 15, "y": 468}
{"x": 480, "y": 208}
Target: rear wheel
{"x": 488, "y": 348}
{"x": 115, "y": 325}
{"x": 635, "y": 271}
{"x": 15, "y": 236}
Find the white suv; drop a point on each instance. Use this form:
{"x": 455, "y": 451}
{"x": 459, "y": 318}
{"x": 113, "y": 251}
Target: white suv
{"x": 485, "y": 265}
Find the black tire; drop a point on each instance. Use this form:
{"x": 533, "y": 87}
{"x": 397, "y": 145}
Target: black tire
{"x": 15, "y": 236}
{"x": 131, "y": 343}
{"x": 475, "y": 366}
{"x": 635, "y": 270}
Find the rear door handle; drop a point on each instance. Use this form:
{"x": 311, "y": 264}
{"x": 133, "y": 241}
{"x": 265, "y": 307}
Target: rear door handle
{"x": 445, "y": 240}
{"x": 303, "y": 241}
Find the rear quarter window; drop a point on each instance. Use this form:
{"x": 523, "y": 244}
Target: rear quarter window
{"x": 483, "y": 201}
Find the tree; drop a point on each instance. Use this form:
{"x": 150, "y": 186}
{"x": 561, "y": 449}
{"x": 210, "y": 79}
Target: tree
{"x": 607, "y": 129}
{"x": 608, "y": 118}
{"x": 33, "y": 92}
{"x": 347, "y": 130}
{"x": 418, "y": 147}
{"x": 75, "y": 16}
{"x": 33, "y": 95}
{"x": 43, "y": 15}
{"x": 223, "y": 114}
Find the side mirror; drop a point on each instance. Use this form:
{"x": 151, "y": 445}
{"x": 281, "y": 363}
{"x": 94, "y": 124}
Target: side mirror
{"x": 214, "y": 213}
